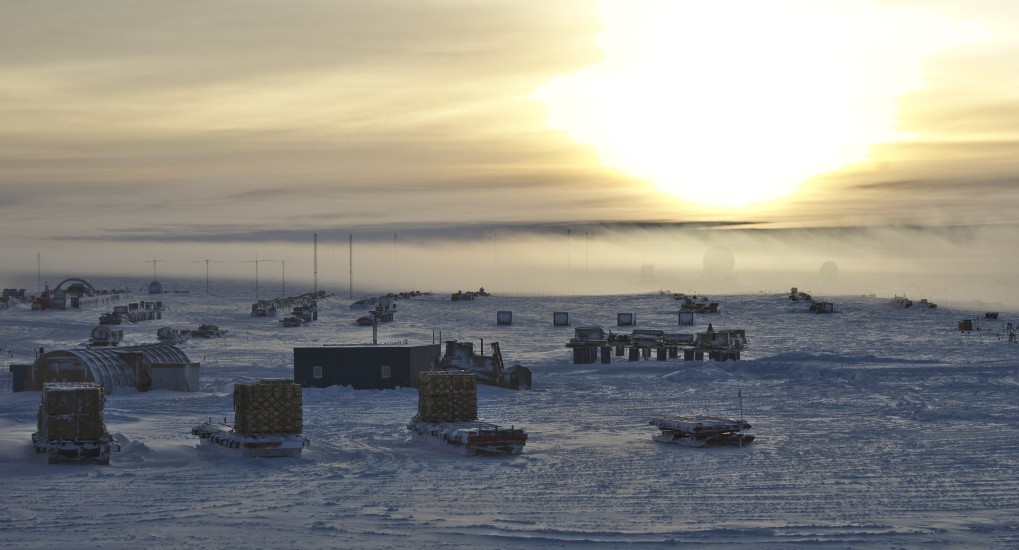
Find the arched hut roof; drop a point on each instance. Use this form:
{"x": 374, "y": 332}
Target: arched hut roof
{"x": 75, "y": 281}
{"x": 109, "y": 367}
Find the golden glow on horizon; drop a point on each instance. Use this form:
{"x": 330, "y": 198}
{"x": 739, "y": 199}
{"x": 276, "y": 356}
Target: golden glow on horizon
{"x": 736, "y": 102}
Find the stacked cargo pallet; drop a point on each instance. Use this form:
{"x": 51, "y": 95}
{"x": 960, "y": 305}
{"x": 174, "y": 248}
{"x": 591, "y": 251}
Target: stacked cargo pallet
{"x": 71, "y": 411}
{"x": 71, "y": 426}
{"x": 448, "y": 416}
{"x": 268, "y": 407}
{"x": 447, "y": 396}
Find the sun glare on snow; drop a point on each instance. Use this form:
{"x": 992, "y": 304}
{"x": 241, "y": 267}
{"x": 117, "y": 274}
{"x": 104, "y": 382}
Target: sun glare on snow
{"x": 734, "y": 102}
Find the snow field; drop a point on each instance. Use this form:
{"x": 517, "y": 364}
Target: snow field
{"x": 876, "y": 426}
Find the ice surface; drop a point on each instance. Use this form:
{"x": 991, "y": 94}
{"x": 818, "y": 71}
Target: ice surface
{"x": 876, "y": 427}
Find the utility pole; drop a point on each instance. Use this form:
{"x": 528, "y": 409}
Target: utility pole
{"x": 206, "y": 272}
{"x": 284, "y": 277}
{"x": 153, "y": 262}
{"x": 256, "y": 261}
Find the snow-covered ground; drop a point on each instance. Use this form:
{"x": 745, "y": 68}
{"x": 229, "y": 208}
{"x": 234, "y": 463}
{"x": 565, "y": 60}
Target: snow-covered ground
{"x": 876, "y": 427}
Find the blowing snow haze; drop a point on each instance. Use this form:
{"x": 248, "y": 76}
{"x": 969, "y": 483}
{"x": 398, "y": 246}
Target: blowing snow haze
{"x": 957, "y": 263}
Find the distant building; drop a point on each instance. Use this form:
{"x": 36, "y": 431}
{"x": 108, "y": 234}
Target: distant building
{"x": 364, "y": 366}
{"x": 76, "y": 293}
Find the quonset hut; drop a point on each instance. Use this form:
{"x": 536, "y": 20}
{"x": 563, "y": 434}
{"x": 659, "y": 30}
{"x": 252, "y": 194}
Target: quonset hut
{"x": 148, "y": 367}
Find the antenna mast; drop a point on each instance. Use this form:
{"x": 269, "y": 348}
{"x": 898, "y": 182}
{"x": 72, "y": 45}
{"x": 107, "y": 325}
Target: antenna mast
{"x": 284, "y": 279}
{"x": 256, "y": 261}
{"x": 206, "y": 272}
{"x": 153, "y": 262}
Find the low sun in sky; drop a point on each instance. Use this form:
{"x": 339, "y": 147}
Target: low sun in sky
{"x": 736, "y": 102}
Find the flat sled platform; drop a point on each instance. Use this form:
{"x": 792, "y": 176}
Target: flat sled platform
{"x": 92, "y": 451}
{"x": 471, "y": 437}
{"x": 701, "y": 431}
{"x": 222, "y": 436}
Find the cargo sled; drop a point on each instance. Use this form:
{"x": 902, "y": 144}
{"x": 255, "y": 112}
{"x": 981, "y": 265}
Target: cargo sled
{"x": 70, "y": 424}
{"x": 471, "y": 437}
{"x": 268, "y": 421}
{"x": 701, "y": 431}
{"x": 448, "y": 417}
{"x": 76, "y": 451}
{"x": 224, "y": 436}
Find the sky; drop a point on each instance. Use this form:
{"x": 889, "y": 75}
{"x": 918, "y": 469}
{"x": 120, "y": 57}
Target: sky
{"x": 521, "y": 144}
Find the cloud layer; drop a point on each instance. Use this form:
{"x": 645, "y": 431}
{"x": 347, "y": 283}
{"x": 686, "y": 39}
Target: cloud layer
{"x": 188, "y": 130}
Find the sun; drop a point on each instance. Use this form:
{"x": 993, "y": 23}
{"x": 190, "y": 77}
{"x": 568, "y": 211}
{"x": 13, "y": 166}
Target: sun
{"x": 736, "y": 102}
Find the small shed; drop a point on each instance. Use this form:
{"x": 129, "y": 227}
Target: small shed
{"x": 364, "y": 366}
{"x": 18, "y": 375}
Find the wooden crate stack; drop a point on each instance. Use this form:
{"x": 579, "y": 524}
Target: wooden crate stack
{"x": 71, "y": 411}
{"x": 268, "y": 407}
{"x": 447, "y": 396}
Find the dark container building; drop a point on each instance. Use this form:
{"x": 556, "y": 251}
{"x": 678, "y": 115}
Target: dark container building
{"x": 364, "y": 367}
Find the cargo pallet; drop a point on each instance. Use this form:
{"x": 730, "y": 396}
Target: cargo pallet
{"x": 250, "y": 445}
{"x": 472, "y": 437}
{"x": 89, "y": 451}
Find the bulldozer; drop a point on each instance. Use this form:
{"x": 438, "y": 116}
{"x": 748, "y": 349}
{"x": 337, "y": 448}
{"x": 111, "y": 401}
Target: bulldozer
{"x": 488, "y": 369}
